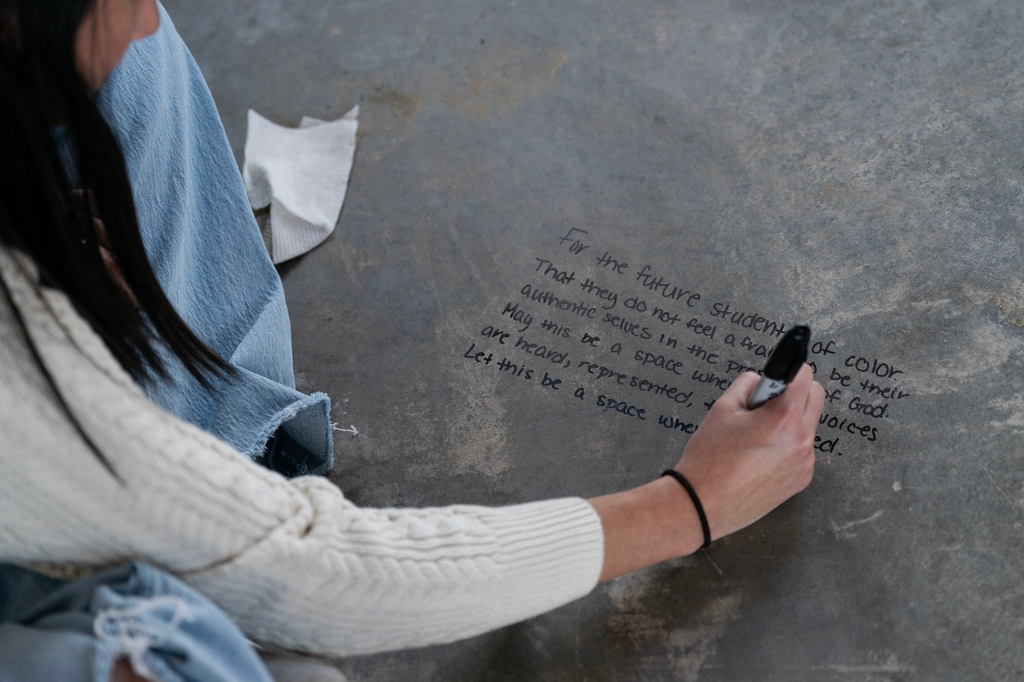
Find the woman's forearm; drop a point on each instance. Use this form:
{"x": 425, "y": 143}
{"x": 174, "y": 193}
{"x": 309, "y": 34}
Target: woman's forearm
{"x": 646, "y": 525}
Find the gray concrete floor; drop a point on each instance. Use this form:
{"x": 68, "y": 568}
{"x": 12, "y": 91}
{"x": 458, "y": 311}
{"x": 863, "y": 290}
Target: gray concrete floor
{"x": 856, "y": 165}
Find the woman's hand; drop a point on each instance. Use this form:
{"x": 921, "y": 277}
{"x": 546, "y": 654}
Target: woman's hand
{"x": 741, "y": 463}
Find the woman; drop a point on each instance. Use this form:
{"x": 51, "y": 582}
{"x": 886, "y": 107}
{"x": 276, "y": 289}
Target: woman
{"x": 96, "y": 474}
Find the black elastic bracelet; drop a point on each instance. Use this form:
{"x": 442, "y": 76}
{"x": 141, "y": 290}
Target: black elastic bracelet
{"x": 696, "y": 503}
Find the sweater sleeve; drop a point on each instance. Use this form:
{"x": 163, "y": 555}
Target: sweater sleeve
{"x": 361, "y": 580}
{"x": 292, "y": 561}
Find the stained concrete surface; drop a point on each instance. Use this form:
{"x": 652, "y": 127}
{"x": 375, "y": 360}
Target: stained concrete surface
{"x": 856, "y": 165}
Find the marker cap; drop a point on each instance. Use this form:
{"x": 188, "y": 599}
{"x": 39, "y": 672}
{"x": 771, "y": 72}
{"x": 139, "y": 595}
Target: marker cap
{"x": 790, "y": 355}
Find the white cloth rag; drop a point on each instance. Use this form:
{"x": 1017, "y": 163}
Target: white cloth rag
{"x": 302, "y": 174}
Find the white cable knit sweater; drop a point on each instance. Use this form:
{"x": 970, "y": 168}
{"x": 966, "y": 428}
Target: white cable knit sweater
{"x": 292, "y": 561}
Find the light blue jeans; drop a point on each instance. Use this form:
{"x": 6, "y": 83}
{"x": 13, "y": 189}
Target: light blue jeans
{"x": 75, "y": 632}
{"x": 207, "y": 252}
{"x": 205, "y": 247}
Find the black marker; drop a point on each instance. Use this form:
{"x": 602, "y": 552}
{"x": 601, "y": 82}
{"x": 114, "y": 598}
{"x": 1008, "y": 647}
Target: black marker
{"x": 782, "y": 366}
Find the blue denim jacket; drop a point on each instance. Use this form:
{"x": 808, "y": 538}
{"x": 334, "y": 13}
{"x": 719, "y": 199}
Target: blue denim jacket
{"x": 207, "y": 252}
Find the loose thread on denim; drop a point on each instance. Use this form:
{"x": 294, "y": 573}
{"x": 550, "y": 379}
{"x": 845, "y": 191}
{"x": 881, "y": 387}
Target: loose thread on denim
{"x": 132, "y": 637}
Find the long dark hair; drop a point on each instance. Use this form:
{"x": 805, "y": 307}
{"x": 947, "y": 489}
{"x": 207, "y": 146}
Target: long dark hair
{"x": 45, "y": 105}
{"x": 64, "y": 194}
